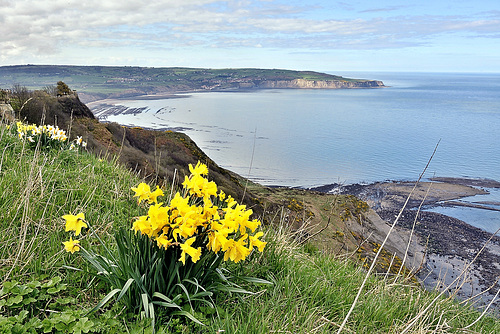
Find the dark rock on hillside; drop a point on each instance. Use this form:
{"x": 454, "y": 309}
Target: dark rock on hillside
{"x": 43, "y": 108}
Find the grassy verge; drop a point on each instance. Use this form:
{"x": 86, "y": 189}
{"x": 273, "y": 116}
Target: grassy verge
{"x": 312, "y": 293}
{"x": 312, "y": 290}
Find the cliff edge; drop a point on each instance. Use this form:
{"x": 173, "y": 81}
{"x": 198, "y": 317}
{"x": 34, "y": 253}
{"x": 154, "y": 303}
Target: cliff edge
{"x": 319, "y": 84}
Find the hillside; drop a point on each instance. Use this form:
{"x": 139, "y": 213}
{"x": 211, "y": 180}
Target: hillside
{"x": 99, "y": 82}
{"x": 312, "y": 287}
{"x": 319, "y": 245}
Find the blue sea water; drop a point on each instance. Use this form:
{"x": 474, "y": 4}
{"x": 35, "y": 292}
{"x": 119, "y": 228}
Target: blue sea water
{"x": 316, "y": 137}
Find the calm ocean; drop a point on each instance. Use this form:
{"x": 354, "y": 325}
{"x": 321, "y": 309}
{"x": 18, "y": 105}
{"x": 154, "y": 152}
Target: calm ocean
{"x": 316, "y": 137}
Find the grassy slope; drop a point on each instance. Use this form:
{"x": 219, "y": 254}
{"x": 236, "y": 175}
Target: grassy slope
{"x": 36, "y": 189}
{"x": 312, "y": 292}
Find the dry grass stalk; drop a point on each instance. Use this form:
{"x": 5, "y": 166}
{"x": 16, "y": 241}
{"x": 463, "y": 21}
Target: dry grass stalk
{"x": 383, "y": 244}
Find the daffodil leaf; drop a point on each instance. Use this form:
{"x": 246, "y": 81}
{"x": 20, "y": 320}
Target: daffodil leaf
{"x": 125, "y": 288}
{"x": 188, "y": 315}
{"x": 254, "y": 280}
{"x": 105, "y": 300}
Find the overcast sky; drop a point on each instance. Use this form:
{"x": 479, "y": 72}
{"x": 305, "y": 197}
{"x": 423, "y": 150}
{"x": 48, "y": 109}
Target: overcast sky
{"x": 322, "y": 35}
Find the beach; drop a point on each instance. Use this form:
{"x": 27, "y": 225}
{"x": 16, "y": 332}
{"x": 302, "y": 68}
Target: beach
{"x": 449, "y": 244}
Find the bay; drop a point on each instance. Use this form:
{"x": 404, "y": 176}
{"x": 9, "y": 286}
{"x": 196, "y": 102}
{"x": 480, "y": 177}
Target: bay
{"x": 315, "y": 137}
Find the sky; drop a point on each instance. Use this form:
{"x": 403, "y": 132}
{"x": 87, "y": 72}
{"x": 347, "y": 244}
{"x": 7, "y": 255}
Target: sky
{"x": 319, "y": 35}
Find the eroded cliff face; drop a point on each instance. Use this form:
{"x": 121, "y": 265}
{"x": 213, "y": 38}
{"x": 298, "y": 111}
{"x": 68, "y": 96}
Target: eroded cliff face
{"x": 322, "y": 84}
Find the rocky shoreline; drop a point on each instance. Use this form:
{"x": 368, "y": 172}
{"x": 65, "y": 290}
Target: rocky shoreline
{"x": 449, "y": 243}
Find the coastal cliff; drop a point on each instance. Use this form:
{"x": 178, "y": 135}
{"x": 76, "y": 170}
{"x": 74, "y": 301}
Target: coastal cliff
{"x": 319, "y": 84}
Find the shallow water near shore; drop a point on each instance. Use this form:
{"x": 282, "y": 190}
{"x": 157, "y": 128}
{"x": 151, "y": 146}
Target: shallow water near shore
{"x": 316, "y": 137}
{"x": 488, "y": 220}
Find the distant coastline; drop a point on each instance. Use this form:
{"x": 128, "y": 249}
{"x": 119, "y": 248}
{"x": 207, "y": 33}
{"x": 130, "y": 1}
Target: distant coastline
{"x": 95, "y": 83}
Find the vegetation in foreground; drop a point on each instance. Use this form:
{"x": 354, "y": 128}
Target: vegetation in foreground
{"x": 311, "y": 292}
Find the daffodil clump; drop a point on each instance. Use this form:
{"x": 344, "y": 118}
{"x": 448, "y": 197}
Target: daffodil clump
{"x": 49, "y": 136}
{"x": 195, "y": 219}
{"x": 171, "y": 257}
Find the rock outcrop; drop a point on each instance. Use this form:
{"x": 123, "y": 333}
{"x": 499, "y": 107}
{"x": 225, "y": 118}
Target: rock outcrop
{"x": 43, "y": 108}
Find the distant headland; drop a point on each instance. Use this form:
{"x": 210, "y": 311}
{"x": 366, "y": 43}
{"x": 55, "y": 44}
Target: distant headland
{"x": 100, "y": 82}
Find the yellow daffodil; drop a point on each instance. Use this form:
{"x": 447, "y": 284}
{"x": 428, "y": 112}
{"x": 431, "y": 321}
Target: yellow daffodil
{"x": 222, "y": 195}
{"x": 209, "y": 189}
{"x": 181, "y": 205}
{"x": 164, "y": 241}
{"x": 194, "y": 214}
{"x": 186, "y": 229}
{"x": 195, "y": 253}
{"x": 142, "y": 192}
{"x": 236, "y": 250}
{"x": 251, "y": 224}
{"x": 158, "y": 217}
{"x": 71, "y": 245}
{"x": 217, "y": 240}
{"x": 199, "y": 186}
{"x": 255, "y": 242}
{"x": 75, "y": 223}
{"x": 153, "y": 197}
{"x": 199, "y": 169}
{"x": 142, "y": 225}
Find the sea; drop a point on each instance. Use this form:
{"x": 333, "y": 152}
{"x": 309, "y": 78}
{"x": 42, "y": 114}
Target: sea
{"x": 307, "y": 137}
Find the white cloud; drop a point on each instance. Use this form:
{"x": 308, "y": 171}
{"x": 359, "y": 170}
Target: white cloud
{"x": 41, "y": 28}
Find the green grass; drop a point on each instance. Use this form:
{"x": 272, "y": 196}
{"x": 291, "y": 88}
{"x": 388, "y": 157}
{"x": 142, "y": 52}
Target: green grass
{"x": 37, "y": 188}
{"x": 311, "y": 292}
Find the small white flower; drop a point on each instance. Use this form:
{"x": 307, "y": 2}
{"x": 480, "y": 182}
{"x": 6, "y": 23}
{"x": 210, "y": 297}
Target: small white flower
{"x": 30, "y": 139}
{"x": 78, "y": 140}
{"x": 84, "y": 144}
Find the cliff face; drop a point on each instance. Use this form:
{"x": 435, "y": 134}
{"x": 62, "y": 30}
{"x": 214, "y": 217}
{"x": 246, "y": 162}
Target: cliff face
{"x": 319, "y": 84}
